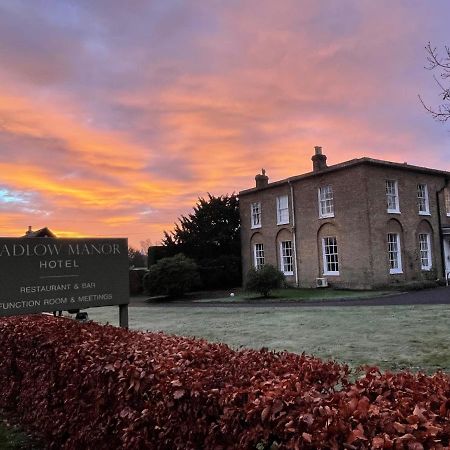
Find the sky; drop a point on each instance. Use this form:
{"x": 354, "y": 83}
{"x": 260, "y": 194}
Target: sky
{"x": 115, "y": 116}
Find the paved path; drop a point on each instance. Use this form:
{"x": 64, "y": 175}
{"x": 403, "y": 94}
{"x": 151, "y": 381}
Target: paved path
{"x": 434, "y": 296}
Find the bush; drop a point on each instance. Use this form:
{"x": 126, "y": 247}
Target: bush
{"x": 172, "y": 276}
{"x": 221, "y": 273}
{"x": 88, "y": 386}
{"x": 264, "y": 279}
{"x": 136, "y": 279}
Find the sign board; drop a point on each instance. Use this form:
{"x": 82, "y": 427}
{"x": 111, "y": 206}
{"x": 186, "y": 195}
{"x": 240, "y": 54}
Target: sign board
{"x": 46, "y": 274}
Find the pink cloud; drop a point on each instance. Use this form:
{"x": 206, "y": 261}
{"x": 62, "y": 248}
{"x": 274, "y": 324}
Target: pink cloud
{"x": 116, "y": 120}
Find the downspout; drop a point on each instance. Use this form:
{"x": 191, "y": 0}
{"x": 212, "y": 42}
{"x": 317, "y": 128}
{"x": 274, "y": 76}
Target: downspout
{"x": 294, "y": 239}
{"x": 441, "y": 235}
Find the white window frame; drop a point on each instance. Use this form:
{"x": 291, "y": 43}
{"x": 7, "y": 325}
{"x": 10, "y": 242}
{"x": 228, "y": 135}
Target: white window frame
{"x": 326, "y": 201}
{"x": 392, "y": 193}
{"x": 394, "y": 253}
{"x": 425, "y": 253}
{"x": 287, "y": 257}
{"x": 282, "y": 210}
{"x": 422, "y": 199}
{"x": 255, "y": 214}
{"x": 258, "y": 255}
{"x": 326, "y": 255}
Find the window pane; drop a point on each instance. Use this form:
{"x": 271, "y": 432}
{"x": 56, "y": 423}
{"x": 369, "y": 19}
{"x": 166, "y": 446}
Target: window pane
{"x": 331, "y": 259}
{"x": 282, "y": 210}
{"x": 256, "y": 214}
{"x": 287, "y": 261}
{"x": 394, "y": 252}
{"x": 425, "y": 251}
{"x": 259, "y": 255}
{"x": 326, "y": 205}
{"x": 391, "y": 195}
{"x": 422, "y": 198}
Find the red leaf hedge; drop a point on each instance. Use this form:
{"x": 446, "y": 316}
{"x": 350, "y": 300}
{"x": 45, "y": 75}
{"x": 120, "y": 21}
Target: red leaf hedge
{"x": 88, "y": 386}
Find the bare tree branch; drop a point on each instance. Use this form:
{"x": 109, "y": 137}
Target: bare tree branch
{"x": 441, "y": 64}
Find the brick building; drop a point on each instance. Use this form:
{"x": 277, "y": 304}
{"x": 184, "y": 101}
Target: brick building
{"x": 362, "y": 223}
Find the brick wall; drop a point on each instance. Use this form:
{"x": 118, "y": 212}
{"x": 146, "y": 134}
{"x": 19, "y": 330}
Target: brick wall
{"x": 360, "y": 223}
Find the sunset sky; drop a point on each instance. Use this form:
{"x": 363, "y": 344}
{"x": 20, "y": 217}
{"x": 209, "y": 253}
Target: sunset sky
{"x": 116, "y": 115}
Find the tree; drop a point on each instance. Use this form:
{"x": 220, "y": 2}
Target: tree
{"x": 136, "y": 258}
{"x": 264, "y": 280}
{"x": 211, "y": 236}
{"x": 439, "y": 63}
{"x": 212, "y": 230}
{"x": 172, "y": 276}
{"x": 145, "y": 245}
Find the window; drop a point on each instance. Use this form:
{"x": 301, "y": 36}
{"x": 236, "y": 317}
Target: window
{"x": 395, "y": 258}
{"x": 330, "y": 256}
{"x": 425, "y": 251}
{"x": 326, "y": 207}
{"x": 287, "y": 261}
{"x": 392, "y": 197}
{"x": 259, "y": 255}
{"x": 256, "y": 215}
{"x": 282, "y": 210}
{"x": 447, "y": 201}
{"x": 422, "y": 200}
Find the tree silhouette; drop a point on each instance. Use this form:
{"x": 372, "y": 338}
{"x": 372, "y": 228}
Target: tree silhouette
{"x": 212, "y": 230}
{"x": 440, "y": 62}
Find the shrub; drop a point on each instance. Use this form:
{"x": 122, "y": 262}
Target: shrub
{"x": 87, "y": 386}
{"x": 172, "y": 276}
{"x": 136, "y": 277}
{"x": 264, "y": 279}
{"x": 221, "y": 273}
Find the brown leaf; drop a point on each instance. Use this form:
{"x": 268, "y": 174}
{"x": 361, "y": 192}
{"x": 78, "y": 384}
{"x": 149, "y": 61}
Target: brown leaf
{"x": 412, "y": 419}
{"x": 363, "y": 406}
{"x": 377, "y": 442}
{"x": 265, "y": 413}
{"x": 178, "y": 394}
{"x": 277, "y": 406}
{"x": 415, "y": 446}
{"x": 399, "y": 428}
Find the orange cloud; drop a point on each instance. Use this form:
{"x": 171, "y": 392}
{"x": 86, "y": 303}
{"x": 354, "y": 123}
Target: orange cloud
{"x": 105, "y": 136}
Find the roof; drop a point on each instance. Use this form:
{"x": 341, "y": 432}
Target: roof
{"x": 43, "y": 232}
{"x": 352, "y": 163}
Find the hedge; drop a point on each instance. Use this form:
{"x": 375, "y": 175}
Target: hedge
{"x": 99, "y": 387}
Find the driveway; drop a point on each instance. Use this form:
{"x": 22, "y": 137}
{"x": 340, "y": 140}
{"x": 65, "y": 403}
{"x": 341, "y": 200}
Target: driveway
{"x": 436, "y": 296}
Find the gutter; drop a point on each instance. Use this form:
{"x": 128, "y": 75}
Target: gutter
{"x": 294, "y": 231}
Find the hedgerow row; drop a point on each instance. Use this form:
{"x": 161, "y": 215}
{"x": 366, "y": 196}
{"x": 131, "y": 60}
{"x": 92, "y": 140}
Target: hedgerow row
{"x": 99, "y": 387}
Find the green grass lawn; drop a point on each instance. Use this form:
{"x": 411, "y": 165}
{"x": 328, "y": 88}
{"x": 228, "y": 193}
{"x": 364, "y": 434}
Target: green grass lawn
{"x": 392, "y": 337}
{"x": 11, "y": 439}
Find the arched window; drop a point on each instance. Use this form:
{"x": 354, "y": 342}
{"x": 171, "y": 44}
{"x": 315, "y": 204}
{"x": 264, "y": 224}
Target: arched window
{"x": 285, "y": 251}
{"x": 425, "y": 245}
{"x": 257, "y": 245}
{"x": 394, "y": 246}
{"x": 328, "y": 246}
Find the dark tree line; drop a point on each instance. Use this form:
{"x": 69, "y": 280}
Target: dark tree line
{"x": 210, "y": 235}
{"x": 211, "y": 230}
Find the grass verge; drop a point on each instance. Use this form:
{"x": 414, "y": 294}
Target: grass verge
{"x": 13, "y": 439}
{"x": 393, "y": 337}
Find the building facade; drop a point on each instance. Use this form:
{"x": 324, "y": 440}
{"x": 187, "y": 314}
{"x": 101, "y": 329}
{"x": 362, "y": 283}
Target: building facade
{"x": 363, "y": 223}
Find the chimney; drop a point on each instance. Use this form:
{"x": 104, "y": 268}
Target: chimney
{"x": 262, "y": 180}
{"x": 319, "y": 160}
{"x": 29, "y": 230}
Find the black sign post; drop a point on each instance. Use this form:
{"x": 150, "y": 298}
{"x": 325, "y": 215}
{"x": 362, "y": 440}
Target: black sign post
{"x": 46, "y": 275}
